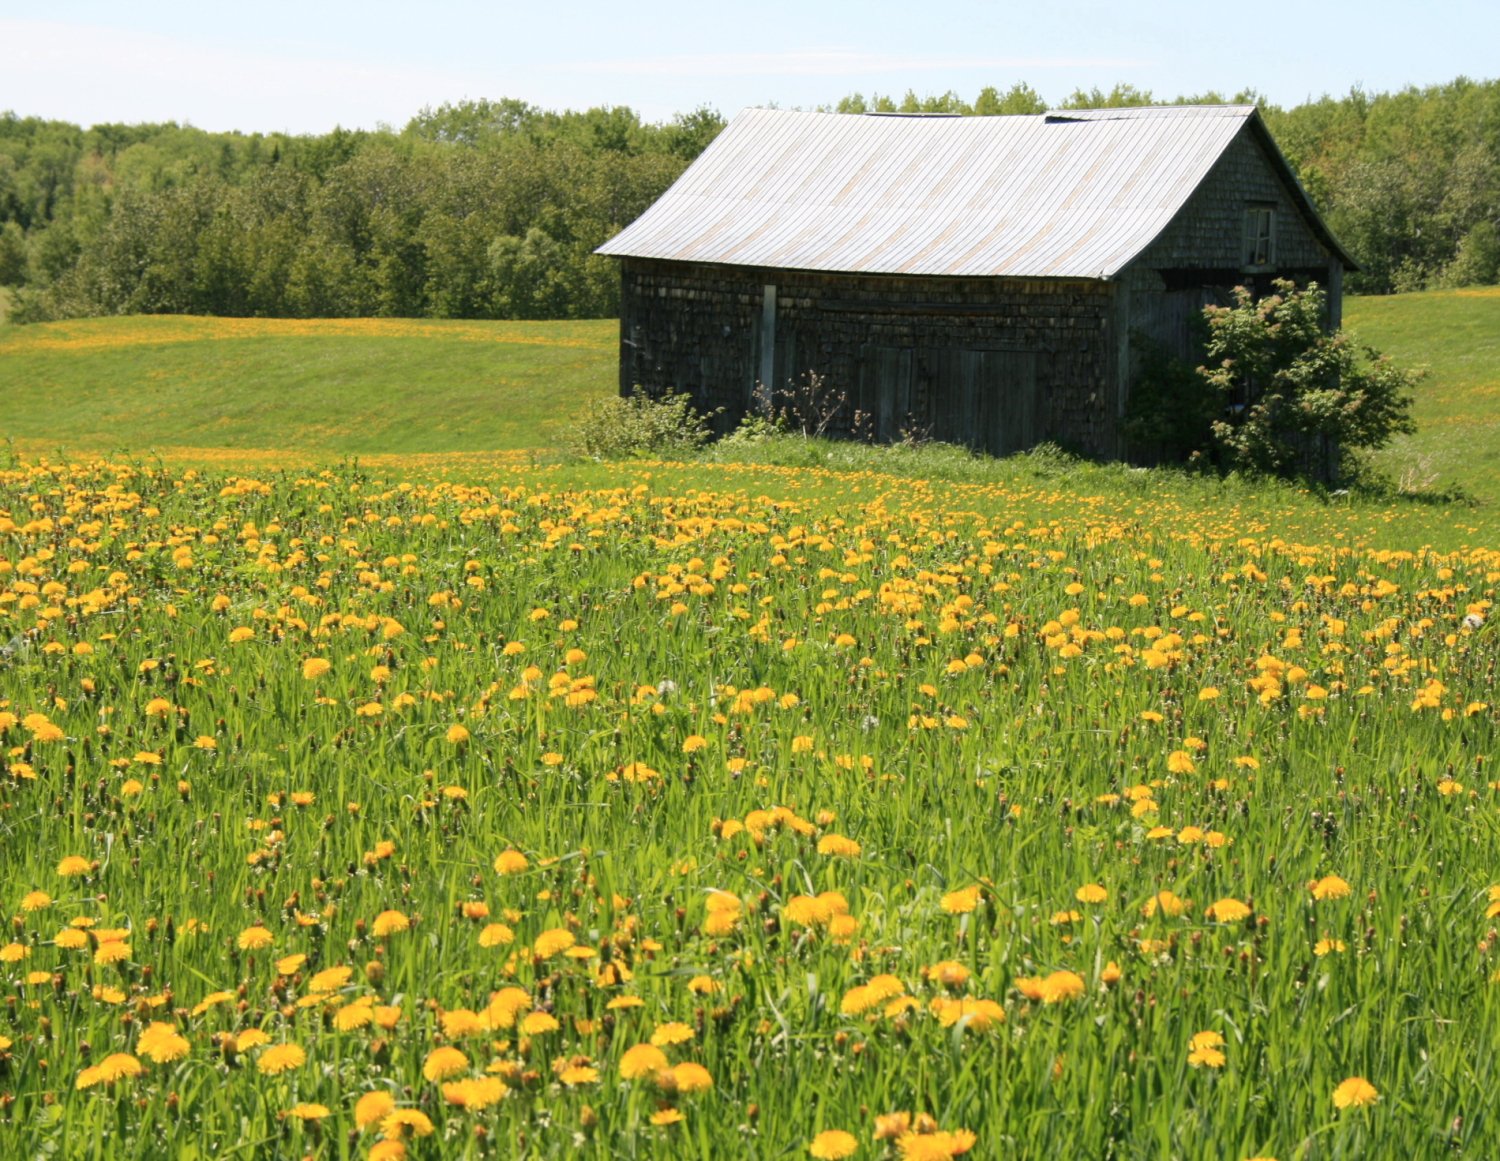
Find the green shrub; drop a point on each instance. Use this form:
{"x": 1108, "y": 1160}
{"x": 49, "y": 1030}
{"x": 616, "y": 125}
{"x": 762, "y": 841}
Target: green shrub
{"x": 1296, "y": 399}
{"x": 639, "y": 425}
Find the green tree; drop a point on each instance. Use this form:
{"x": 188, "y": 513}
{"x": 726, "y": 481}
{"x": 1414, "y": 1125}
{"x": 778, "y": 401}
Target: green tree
{"x": 1297, "y": 399}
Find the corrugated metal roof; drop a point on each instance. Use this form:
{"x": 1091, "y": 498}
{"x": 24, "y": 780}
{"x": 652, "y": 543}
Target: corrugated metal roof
{"x": 1065, "y": 195}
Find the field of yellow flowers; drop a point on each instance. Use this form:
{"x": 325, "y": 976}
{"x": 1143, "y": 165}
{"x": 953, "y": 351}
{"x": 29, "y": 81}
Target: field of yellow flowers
{"x": 633, "y": 817}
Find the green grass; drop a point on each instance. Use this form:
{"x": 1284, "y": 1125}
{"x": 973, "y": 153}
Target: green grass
{"x": 1455, "y": 335}
{"x": 333, "y": 388}
{"x": 969, "y": 689}
{"x": 965, "y": 700}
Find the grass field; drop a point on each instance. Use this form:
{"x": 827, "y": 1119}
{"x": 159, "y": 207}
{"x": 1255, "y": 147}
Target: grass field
{"x": 806, "y": 800}
{"x": 1455, "y": 335}
{"x": 344, "y": 387}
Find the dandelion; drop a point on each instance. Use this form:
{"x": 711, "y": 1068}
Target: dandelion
{"x": 510, "y": 862}
{"x": 279, "y": 1058}
{"x": 1330, "y": 887}
{"x": 553, "y": 941}
{"x": 961, "y": 902}
{"x": 457, "y": 735}
{"x": 308, "y": 1112}
{"x": 691, "y": 1077}
{"x": 1355, "y": 1093}
{"x": 441, "y": 1063}
{"x": 1091, "y": 893}
{"x": 1205, "y": 1050}
{"x": 254, "y": 939}
{"x": 399, "y": 1122}
{"x": 1227, "y": 910}
{"x": 315, "y": 667}
{"x": 642, "y": 1060}
{"x": 373, "y": 1107}
{"x": 838, "y": 846}
{"x": 671, "y": 1033}
{"x": 389, "y": 923}
{"x": 73, "y": 866}
{"x": 833, "y": 1144}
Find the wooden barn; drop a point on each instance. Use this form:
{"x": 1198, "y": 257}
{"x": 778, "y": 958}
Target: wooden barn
{"x": 971, "y": 279}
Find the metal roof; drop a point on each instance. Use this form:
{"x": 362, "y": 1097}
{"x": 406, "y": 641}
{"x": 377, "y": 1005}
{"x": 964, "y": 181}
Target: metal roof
{"x": 1074, "y": 194}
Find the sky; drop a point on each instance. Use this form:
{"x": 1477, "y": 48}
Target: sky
{"x": 306, "y": 67}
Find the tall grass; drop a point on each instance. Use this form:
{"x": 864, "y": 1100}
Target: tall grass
{"x": 696, "y": 700}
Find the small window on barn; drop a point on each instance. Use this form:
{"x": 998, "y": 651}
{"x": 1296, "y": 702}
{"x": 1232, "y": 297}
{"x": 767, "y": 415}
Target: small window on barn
{"x": 1260, "y": 236}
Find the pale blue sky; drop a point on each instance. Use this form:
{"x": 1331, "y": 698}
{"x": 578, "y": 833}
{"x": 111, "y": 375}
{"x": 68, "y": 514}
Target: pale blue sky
{"x": 305, "y": 67}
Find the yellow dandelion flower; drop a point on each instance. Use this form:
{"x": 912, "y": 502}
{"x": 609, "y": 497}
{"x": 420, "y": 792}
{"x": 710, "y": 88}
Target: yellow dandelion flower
{"x": 643, "y": 1060}
{"x": 833, "y": 1145}
{"x": 1354, "y": 1093}
{"x": 441, "y": 1063}
{"x": 389, "y": 923}
{"x": 373, "y": 1107}
{"x": 279, "y": 1058}
{"x": 254, "y": 938}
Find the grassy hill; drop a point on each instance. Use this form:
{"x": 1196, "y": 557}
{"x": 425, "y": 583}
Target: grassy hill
{"x": 327, "y": 388}
{"x": 1455, "y": 335}
{"x": 369, "y": 387}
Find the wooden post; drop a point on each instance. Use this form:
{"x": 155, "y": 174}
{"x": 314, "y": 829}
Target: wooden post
{"x": 766, "y": 389}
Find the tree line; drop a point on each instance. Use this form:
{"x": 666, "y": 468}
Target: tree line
{"x": 492, "y": 209}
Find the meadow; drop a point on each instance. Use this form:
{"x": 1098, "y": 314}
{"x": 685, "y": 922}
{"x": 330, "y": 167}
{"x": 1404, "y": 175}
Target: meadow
{"x": 802, "y": 801}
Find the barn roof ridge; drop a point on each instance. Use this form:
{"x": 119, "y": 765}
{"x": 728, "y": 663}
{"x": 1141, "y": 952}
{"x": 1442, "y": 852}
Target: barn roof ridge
{"x": 1008, "y": 196}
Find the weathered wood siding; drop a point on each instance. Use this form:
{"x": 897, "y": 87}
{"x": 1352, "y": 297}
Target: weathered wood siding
{"x": 1200, "y": 256}
{"x": 999, "y": 364}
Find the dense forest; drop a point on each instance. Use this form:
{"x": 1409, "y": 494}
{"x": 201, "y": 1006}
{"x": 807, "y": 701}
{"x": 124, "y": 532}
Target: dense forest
{"x": 491, "y": 209}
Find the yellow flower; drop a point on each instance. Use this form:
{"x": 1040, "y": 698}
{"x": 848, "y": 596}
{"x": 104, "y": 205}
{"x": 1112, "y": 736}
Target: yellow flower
{"x": 671, "y": 1033}
{"x": 308, "y": 1112}
{"x": 666, "y": 1116}
{"x": 441, "y": 1063}
{"x": 642, "y": 1060}
{"x": 1354, "y": 1093}
{"x": 315, "y": 667}
{"x": 254, "y": 938}
{"x": 457, "y": 735}
{"x": 962, "y": 901}
{"x": 833, "y": 1144}
{"x": 330, "y": 979}
{"x": 693, "y": 743}
{"x": 116, "y": 1066}
{"x": 1330, "y": 887}
{"x": 539, "y": 1023}
{"x": 690, "y": 1077}
{"x": 1061, "y": 986}
{"x": 73, "y": 866}
{"x": 511, "y": 862}
{"x": 389, "y": 923}
{"x": 399, "y": 1121}
{"x": 1228, "y": 910}
{"x": 578, "y": 1074}
{"x": 550, "y": 942}
{"x": 1091, "y": 893}
{"x": 279, "y": 1058}
{"x": 1167, "y": 903}
{"x": 496, "y": 935}
{"x": 373, "y": 1107}
{"x": 838, "y": 846}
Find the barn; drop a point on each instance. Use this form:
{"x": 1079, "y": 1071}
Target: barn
{"x": 978, "y": 280}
